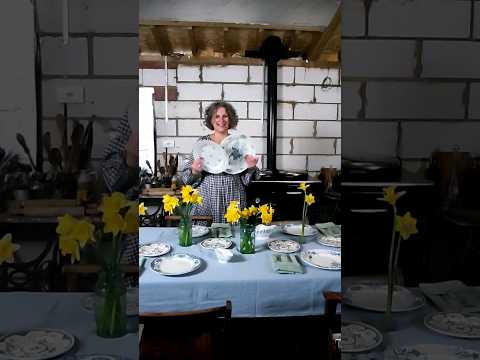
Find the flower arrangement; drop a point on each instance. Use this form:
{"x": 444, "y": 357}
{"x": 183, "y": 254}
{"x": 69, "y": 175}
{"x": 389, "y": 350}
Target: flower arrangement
{"x": 405, "y": 226}
{"x": 183, "y": 207}
{"x": 7, "y": 249}
{"x": 309, "y": 199}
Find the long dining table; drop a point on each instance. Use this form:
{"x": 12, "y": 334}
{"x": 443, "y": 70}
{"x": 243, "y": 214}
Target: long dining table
{"x": 248, "y": 281}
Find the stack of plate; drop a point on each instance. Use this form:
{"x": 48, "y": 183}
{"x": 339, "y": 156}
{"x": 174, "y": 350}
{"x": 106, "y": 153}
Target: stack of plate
{"x": 330, "y": 234}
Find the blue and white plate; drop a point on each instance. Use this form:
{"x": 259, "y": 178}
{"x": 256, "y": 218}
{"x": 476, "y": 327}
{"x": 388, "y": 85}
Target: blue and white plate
{"x": 296, "y": 229}
{"x": 461, "y": 325}
{"x": 178, "y": 264}
{"x": 154, "y": 249}
{"x": 237, "y": 146}
{"x": 199, "y": 231}
{"x": 358, "y": 336}
{"x": 215, "y": 159}
{"x": 322, "y": 259}
{"x": 431, "y": 351}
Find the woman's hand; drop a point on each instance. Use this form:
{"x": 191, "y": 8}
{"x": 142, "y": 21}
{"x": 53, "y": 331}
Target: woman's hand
{"x": 251, "y": 161}
{"x": 197, "y": 166}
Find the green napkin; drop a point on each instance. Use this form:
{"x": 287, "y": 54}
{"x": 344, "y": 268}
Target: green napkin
{"x": 221, "y": 230}
{"x": 286, "y": 264}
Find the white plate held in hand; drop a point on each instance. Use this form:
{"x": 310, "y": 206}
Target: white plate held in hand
{"x": 215, "y": 159}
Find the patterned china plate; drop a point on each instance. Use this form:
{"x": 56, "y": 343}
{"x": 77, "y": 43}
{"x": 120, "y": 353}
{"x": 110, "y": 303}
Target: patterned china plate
{"x": 36, "y": 344}
{"x": 454, "y": 324}
{"x": 296, "y": 229}
{"x": 178, "y": 264}
{"x": 216, "y": 243}
{"x": 95, "y": 357}
{"x": 329, "y": 241}
{"x": 237, "y": 146}
{"x": 431, "y": 351}
{"x": 284, "y": 246}
{"x": 199, "y": 231}
{"x": 358, "y": 337}
{"x": 154, "y": 249}
{"x": 215, "y": 159}
{"x": 322, "y": 258}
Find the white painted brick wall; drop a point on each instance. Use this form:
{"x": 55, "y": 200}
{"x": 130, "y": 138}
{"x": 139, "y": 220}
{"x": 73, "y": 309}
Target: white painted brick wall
{"x": 419, "y": 142}
{"x": 237, "y": 92}
{"x": 59, "y": 59}
{"x": 451, "y": 59}
{"x": 188, "y": 91}
{"x": 252, "y": 127}
{"x": 474, "y": 111}
{"x": 339, "y": 111}
{"x": 291, "y": 162}
{"x": 192, "y": 127}
{"x": 178, "y": 109}
{"x": 332, "y": 94}
{"x": 294, "y": 128}
{"x": 428, "y": 18}
{"x": 315, "y": 75}
{"x": 228, "y": 73}
{"x": 115, "y": 56}
{"x": 313, "y": 146}
{"x": 183, "y": 145}
{"x": 283, "y": 146}
{"x": 368, "y": 139}
{"x": 188, "y": 73}
{"x": 351, "y": 101}
{"x": 329, "y": 129}
{"x": 297, "y": 93}
{"x": 353, "y": 18}
{"x": 167, "y": 129}
{"x": 415, "y": 100}
{"x": 338, "y": 146}
{"x": 317, "y": 162}
{"x": 315, "y": 112}
{"x": 285, "y": 74}
{"x": 240, "y": 108}
{"x": 140, "y": 77}
{"x": 156, "y": 77}
{"x": 284, "y": 111}
{"x": 378, "y": 58}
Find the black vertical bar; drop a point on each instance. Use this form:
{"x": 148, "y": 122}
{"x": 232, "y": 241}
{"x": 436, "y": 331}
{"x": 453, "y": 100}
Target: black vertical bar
{"x": 38, "y": 89}
{"x": 272, "y": 113}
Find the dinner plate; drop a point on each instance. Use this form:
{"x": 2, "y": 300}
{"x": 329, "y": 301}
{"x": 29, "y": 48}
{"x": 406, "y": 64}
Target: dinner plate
{"x": 178, "y": 264}
{"x": 237, "y": 146}
{"x": 95, "y": 357}
{"x": 154, "y": 249}
{"x": 329, "y": 241}
{"x": 132, "y": 302}
{"x": 322, "y": 258}
{"x": 284, "y": 246}
{"x": 215, "y": 159}
{"x": 216, "y": 243}
{"x": 373, "y": 296}
{"x": 35, "y": 344}
{"x": 358, "y": 336}
{"x": 431, "y": 351}
{"x": 199, "y": 231}
{"x": 296, "y": 229}
{"x": 462, "y": 325}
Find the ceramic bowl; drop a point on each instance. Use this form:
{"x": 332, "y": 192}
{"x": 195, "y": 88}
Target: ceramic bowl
{"x": 262, "y": 232}
{"x": 223, "y": 255}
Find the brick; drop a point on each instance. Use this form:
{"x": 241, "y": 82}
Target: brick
{"x": 291, "y": 162}
{"x": 351, "y": 100}
{"x": 228, "y": 73}
{"x": 332, "y": 94}
{"x": 329, "y": 129}
{"x": 166, "y": 129}
{"x": 192, "y": 127}
{"x": 297, "y": 93}
{"x": 178, "y": 109}
{"x": 420, "y": 139}
{"x": 183, "y": 145}
{"x": 313, "y": 146}
{"x": 242, "y": 92}
{"x": 379, "y": 58}
{"x": 284, "y": 111}
{"x": 474, "y": 111}
{"x": 339, "y": 111}
{"x": 294, "y": 128}
{"x": 240, "y": 108}
{"x": 315, "y": 111}
{"x": 317, "y": 162}
{"x": 315, "y": 76}
{"x": 283, "y": 146}
{"x": 188, "y": 73}
{"x": 59, "y": 59}
{"x": 156, "y": 77}
{"x": 103, "y": 98}
{"x": 408, "y": 18}
{"x": 115, "y": 56}
{"x": 285, "y": 74}
{"x": 415, "y": 100}
{"x": 353, "y": 18}
{"x": 159, "y": 93}
{"x": 451, "y": 59}
{"x": 338, "y": 146}
{"x": 199, "y": 91}
{"x": 255, "y": 74}
{"x": 369, "y": 139}
{"x": 251, "y": 128}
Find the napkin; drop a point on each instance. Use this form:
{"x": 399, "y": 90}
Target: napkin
{"x": 221, "y": 230}
{"x": 286, "y": 264}
{"x": 452, "y": 296}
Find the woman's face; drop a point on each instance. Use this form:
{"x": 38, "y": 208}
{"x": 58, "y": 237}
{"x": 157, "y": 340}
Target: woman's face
{"x": 220, "y": 121}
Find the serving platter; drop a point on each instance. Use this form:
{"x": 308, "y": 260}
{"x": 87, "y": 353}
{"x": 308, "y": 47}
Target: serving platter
{"x": 216, "y": 243}
{"x": 322, "y": 258}
{"x": 178, "y": 264}
{"x": 284, "y": 246}
{"x": 154, "y": 249}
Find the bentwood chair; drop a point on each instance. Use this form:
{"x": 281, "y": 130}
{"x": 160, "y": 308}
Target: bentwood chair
{"x": 332, "y": 300}
{"x": 199, "y": 334}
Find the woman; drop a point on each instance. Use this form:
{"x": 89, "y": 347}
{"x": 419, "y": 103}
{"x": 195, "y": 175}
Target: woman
{"x": 218, "y": 190}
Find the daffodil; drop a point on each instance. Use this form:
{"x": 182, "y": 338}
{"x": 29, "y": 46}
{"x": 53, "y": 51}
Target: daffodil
{"x": 252, "y": 210}
{"x": 309, "y": 199}
{"x": 233, "y": 212}
{"x": 69, "y": 246}
{"x": 406, "y": 225}
{"x": 266, "y": 212}
{"x": 197, "y": 199}
{"x": 113, "y": 223}
{"x": 187, "y": 192}
{"x": 303, "y": 186}
{"x": 389, "y": 195}
{"x": 83, "y": 232}
{"x": 114, "y": 203}
{"x": 130, "y": 225}
{"x": 170, "y": 203}
{"x": 7, "y": 249}
{"x": 66, "y": 224}
{"x": 141, "y": 209}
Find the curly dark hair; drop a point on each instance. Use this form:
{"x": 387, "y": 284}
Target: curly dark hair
{"x": 212, "y": 110}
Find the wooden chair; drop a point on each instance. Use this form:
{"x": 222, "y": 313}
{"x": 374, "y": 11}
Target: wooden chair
{"x": 332, "y": 300}
{"x": 199, "y": 334}
{"x": 73, "y": 273}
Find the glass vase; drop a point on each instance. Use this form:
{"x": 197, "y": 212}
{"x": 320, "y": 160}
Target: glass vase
{"x": 185, "y": 231}
{"x": 110, "y": 304}
{"x": 247, "y": 238}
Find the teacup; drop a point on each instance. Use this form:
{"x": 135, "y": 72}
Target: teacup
{"x": 223, "y": 255}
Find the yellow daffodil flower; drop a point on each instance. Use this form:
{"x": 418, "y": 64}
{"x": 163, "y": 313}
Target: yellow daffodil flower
{"x": 114, "y": 223}
{"x": 69, "y": 245}
{"x": 252, "y": 210}
{"x": 406, "y": 225}
{"x": 233, "y": 205}
{"x": 141, "y": 209}
{"x": 266, "y": 212}
{"x": 130, "y": 225}
{"x": 197, "y": 199}
{"x": 303, "y": 186}
{"x": 389, "y": 195}
{"x": 113, "y": 203}
{"x": 170, "y": 203}
{"x": 66, "y": 224}
{"x": 83, "y": 232}
{"x": 232, "y": 215}
{"x": 7, "y": 249}
{"x": 245, "y": 213}
{"x": 309, "y": 199}
{"x": 188, "y": 194}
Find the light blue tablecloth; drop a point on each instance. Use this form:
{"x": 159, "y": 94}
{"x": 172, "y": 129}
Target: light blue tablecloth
{"x": 64, "y": 311}
{"x": 249, "y": 281}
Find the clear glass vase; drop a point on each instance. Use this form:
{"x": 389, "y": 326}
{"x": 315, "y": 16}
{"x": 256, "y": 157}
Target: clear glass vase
{"x": 185, "y": 231}
{"x": 110, "y": 304}
{"x": 247, "y": 238}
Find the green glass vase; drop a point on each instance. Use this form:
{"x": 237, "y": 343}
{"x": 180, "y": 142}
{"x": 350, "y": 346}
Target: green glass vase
{"x": 247, "y": 238}
{"x": 185, "y": 231}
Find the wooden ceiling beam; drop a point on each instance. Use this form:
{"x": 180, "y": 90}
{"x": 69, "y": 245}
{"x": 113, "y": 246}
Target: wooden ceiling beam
{"x": 333, "y": 28}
